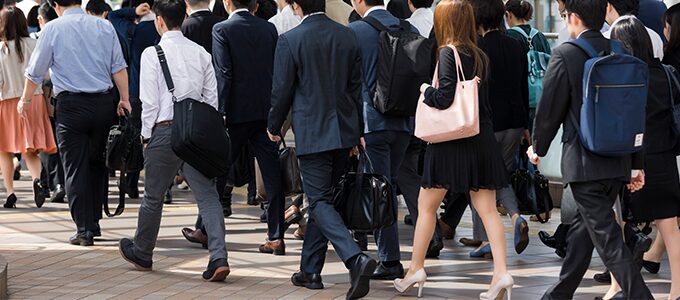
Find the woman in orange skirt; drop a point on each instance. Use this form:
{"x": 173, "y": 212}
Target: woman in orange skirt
{"x": 31, "y": 132}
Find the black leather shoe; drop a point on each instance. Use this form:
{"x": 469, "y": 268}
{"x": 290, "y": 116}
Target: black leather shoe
{"x": 263, "y": 217}
{"x": 133, "y": 192}
{"x": 617, "y": 296}
{"x": 17, "y": 173}
{"x": 385, "y": 273}
{"x": 226, "y": 211}
{"x": 603, "y": 277}
{"x": 58, "y": 195}
{"x": 11, "y": 201}
{"x": 252, "y": 200}
{"x": 642, "y": 245}
{"x": 651, "y": 267}
{"x": 85, "y": 238}
{"x": 127, "y": 251}
{"x": 547, "y": 239}
{"x": 168, "y": 197}
{"x": 434, "y": 249}
{"x": 97, "y": 231}
{"x": 408, "y": 220}
{"x": 217, "y": 270}
{"x": 38, "y": 193}
{"x": 310, "y": 281}
{"x": 360, "y": 276}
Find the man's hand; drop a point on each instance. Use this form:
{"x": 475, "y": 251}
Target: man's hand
{"x": 124, "y": 106}
{"x": 22, "y": 106}
{"x": 533, "y": 157}
{"x": 143, "y": 9}
{"x": 363, "y": 142}
{"x": 637, "y": 181}
{"x": 273, "y": 138}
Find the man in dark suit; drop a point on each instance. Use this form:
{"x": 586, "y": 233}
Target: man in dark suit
{"x": 386, "y": 137}
{"x": 595, "y": 180}
{"x": 243, "y": 56}
{"x": 324, "y": 92}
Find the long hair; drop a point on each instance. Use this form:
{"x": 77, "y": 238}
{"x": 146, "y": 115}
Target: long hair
{"x": 672, "y": 18}
{"x": 454, "y": 24}
{"x": 13, "y": 27}
{"x": 633, "y": 34}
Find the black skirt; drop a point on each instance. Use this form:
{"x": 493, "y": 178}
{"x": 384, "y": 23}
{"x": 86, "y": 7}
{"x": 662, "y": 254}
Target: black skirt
{"x": 466, "y": 165}
{"x": 660, "y": 197}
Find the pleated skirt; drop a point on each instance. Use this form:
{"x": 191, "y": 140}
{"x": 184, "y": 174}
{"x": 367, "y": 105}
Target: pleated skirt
{"x": 19, "y": 134}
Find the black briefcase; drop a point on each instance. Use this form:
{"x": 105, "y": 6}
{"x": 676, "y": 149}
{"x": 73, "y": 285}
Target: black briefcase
{"x": 365, "y": 201}
{"x": 124, "y": 153}
{"x": 532, "y": 190}
{"x": 198, "y": 137}
{"x": 290, "y": 170}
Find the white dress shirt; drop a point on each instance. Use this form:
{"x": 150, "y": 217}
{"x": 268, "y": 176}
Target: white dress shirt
{"x": 423, "y": 20}
{"x": 192, "y": 74}
{"x": 657, "y": 43}
{"x": 374, "y": 8}
{"x": 285, "y": 20}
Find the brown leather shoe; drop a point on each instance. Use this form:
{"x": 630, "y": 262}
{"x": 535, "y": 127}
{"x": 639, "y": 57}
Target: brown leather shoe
{"x": 447, "y": 231}
{"x": 195, "y": 236}
{"x": 300, "y": 232}
{"x": 277, "y": 247}
{"x": 470, "y": 242}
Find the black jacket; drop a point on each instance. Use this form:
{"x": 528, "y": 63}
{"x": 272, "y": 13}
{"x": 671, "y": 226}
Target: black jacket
{"x": 243, "y": 56}
{"x": 324, "y": 91}
{"x": 562, "y": 95}
{"x": 659, "y": 136}
{"x": 198, "y": 28}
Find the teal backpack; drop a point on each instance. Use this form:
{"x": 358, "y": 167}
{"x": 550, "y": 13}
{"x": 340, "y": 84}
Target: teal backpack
{"x": 538, "y": 63}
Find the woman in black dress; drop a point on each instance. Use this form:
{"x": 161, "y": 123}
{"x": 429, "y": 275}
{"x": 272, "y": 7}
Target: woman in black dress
{"x": 659, "y": 200}
{"x": 471, "y": 165}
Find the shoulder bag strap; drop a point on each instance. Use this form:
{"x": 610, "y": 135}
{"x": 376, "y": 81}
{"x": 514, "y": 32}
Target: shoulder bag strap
{"x": 375, "y": 23}
{"x": 459, "y": 65}
{"x": 672, "y": 82}
{"x": 166, "y": 71}
{"x": 585, "y": 46}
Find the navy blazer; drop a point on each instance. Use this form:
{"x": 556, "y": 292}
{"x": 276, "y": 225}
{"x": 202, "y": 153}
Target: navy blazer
{"x": 317, "y": 72}
{"x": 367, "y": 36}
{"x": 198, "y": 28}
{"x": 243, "y": 57}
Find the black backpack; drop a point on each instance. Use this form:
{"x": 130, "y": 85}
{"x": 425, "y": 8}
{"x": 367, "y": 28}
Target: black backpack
{"x": 404, "y": 64}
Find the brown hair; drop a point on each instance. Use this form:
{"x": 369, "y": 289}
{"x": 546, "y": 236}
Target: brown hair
{"x": 13, "y": 27}
{"x": 454, "y": 24}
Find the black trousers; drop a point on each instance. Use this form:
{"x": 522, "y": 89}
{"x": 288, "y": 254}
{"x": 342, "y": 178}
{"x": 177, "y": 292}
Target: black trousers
{"x": 83, "y": 123}
{"x": 321, "y": 172}
{"x": 52, "y": 173}
{"x": 595, "y": 227}
{"x": 132, "y": 178}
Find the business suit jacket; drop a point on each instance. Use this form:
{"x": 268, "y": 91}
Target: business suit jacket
{"x": 198, "y": 28}
{"x": 243, "y": 56}
{"x": 323, "y": 90}
{"x": 562, "y": 95}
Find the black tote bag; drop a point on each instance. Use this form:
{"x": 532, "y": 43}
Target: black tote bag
{"x": 532, "y": 190}
{"x": 124, "y": 153}
{"x": 290, "y": 170}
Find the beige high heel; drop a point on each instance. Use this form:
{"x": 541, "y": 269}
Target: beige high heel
{"x": 498, "y": 291}
{"x": 404, "y": 286}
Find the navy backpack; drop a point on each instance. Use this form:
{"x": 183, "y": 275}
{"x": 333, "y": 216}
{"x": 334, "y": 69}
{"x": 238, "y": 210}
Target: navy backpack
{"x": 614, "y": 101}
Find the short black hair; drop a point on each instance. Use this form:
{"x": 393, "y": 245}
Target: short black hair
{"x": 374, "y": 2}
{"x": 97, "y": 7}
{"x": 172, "y": 12}
{"x": 266, "y": 9}
{"x": 135, "y": 3}
{"x": 422, "y": 3}
{"x": 626, "y": 7}
{"x": 243, "y": 3}
{"x": 488, "y": 13}
{"x": 311, "y": 6}
{"x": 65, "y": 2}
{"x": 521, "y": 9}
{"x": 47, "y": 12}
{"x": 198, "y": 2}
{"x": 591, "y": 12}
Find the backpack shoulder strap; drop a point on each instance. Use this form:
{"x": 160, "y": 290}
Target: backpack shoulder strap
{"x": 616, "y": 47}
{"x": 374, "y": 23}
{"x": 585, "y": 46}
{"x": 166, "y": 70}
{"x": 517, "y": 29}
{"x": 533, "y": 33}
{"x": 404, "y": 25}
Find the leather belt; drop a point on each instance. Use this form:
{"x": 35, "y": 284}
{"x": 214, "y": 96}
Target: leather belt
{"x": 164, "y": 123}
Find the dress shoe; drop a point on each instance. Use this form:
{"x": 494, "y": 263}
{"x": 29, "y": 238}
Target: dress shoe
{"x": 360, "y": 276}
{"x": 126, "y": 247}
{"x": 85, "y": 238}
{"x": 521, "y": 235}
{"x": 408, "y": 220}
{"x": 252, "y": 200}
{"x": 603, "y": 277}
{"x": 434, "y": 249}
{"x": 497, "y": 291}
{"x": 388, "y": 273}
{"x": 38, "y": 193}
{"x": 168, "y": 197}
{"x": 133, "y": 192}
{"x": 17, "y": 172}
{"x": 263, "y": 217}
{"x": 291, "y": 216}
{"x": 299, "y": 233}
{"x": 276, "y": 247}
{"x": 617, "y": 296}
{"x": 11, "y": 201}
{"x": 642, "y": 243}
{"x": 217, "y": 270}
{"x": 470, "y": 242}
{"x": 310, "y": 281}
{"x": 406, "y": 284}
{"x": 227, "y": 212}
{"x": 484, "y": 252}
{"x": 58, "y": 195}
{"x": 651, "y": 267}
{"x": 97, "y": 230}
{"x": 447, "y": 231}
{"x": 195, "y": 236}
{"x": 502, "y": 211}
{"x": 361, "y": 239}
{"x": 547, "y": 239}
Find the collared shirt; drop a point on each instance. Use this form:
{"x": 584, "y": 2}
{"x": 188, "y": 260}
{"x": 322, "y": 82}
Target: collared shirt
{"x": 657, "y": 43}
{"x": 238, "y": 11}
{"x": 80, "y": 51}
{"x": 423, "y": 20}
{"x": 192, "y": 74}
{"x": 198, "y": 10}
{"x": 313, "y": 14}
{"x": 374, "y": 8}
{"x": 285, "y": 20}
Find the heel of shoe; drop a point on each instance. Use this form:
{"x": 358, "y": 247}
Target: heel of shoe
{"x": 509, "y": 291}
{"x": 421, "y": 285}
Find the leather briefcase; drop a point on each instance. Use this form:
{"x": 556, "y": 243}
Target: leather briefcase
{"x": 124, "y": 153}
{"x": 290, "y": 171}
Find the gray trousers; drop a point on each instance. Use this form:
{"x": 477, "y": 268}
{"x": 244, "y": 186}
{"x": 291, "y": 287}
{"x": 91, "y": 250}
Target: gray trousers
{"x": 509, "y": 141}
{"x": 161, "y": 165}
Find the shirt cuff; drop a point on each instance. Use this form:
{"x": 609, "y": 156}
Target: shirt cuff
{"x": 35, "y": 79}
{"x": 118, "y": 68}
{"x": 146, "y": 132}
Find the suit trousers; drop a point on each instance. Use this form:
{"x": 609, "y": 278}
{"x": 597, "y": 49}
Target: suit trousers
{"x": 267, "y": 155}
{"x": 132, "y": 178}
{"x": 595, "y": 227}
{"x": 386, "y": 149}
{"x": 52, "y": 173}
{"x": 83, "y": 123}
{"x": 325, "y": 223}
{"x": 454, "y": 208}
{"x": 161, "y": 165}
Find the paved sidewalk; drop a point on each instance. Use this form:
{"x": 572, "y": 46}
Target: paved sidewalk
{"x": 42, "y": 265}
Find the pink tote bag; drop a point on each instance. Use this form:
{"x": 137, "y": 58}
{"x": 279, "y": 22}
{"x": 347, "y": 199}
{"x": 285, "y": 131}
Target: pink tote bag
{"x": 460, "y": 120}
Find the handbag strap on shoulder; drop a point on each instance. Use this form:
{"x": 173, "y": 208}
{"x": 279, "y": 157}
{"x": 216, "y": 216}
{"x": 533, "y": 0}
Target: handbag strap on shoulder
{"x": 166, "y": 71}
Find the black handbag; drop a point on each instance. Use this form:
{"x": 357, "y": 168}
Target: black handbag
{"x": 532, "y": 190}
{"x": 290, "y": 171}
{"x": 198, "y": 134}
{"x": 124, "y": 153}
{"x": 365, "y": 201}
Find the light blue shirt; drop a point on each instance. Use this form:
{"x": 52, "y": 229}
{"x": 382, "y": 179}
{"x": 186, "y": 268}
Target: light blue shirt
{"x": 80, "y": 51}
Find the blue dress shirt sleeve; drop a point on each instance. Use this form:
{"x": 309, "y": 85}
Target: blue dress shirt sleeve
{"x": 42, "y": 58}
